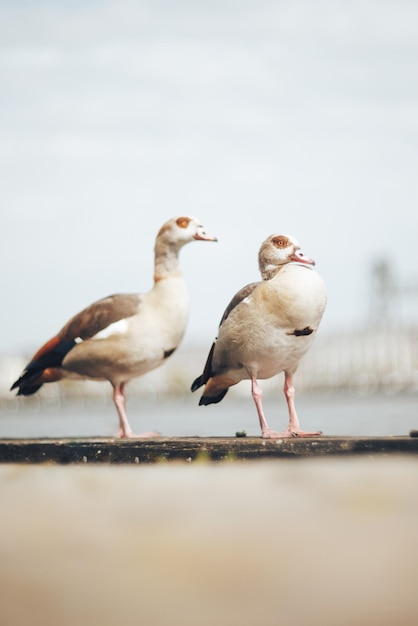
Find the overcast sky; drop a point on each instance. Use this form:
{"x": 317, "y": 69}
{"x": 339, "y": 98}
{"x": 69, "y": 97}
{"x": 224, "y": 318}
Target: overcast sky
{"x": 257, "y": 117}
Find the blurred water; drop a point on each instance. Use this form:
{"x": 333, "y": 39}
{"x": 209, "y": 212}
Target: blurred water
{"x": 334, "y": 414}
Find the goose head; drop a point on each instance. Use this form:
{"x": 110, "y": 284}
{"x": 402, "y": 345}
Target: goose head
{"x": 278, "y": 250}
{"x": 181, "y": 230}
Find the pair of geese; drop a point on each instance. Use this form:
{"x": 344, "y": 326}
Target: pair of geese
{"x": 266, "y": 329}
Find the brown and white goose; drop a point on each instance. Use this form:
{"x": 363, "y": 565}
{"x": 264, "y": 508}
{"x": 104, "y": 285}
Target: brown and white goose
{"x": 266, "y": 329}
{"x": 125, "y": 335}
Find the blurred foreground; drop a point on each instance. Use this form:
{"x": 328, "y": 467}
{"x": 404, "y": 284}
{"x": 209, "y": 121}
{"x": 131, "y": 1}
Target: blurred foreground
{"x": 318, "y": 542}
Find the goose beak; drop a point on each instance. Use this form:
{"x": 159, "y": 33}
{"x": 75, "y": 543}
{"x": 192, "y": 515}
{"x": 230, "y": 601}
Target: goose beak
{"x": 300, "y": 257}
{"x": 202, "y": 235}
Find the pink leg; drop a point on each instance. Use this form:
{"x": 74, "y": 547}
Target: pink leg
{"x": 266, "y": 432}
{"x": 125, "y": 431}
{"x": 257, "y": 394}
{"x": 293, "y": 428}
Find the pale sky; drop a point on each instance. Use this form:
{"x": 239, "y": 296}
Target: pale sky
{"x": 257, "y": 116}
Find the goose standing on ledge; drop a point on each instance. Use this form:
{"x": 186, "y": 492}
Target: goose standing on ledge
{"x": 125, "y": 335}
{"x": 266, "y": 329}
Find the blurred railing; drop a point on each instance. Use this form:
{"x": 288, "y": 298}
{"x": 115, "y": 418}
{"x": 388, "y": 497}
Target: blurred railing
{"x": 364, "y": 362}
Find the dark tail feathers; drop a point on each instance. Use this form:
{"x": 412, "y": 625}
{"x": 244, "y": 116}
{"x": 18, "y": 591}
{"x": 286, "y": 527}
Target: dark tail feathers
{"x": 205, "y": 400}
{"x": 26, "y": 385}
{"x": 197, "y": 383}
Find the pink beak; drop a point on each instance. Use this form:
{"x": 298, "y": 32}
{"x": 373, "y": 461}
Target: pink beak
{"x": 202, "y": 235}
{"x": 299, "y": 257}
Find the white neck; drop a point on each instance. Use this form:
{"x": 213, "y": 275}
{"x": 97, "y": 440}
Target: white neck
{"x": 166, "y": 261}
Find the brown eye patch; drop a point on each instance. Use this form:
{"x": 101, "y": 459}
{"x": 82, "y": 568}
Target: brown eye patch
{"x": 280, "y": 241}
{"x": 183, "y": 222}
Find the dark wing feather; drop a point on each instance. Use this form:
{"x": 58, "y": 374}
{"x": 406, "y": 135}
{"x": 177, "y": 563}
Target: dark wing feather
{"x": 99, "y": 315}
{"x": 84, "y": 325}
{"x": 49, "y": 357}
{"x": 236, "y": 300}
{"x": 207, "y": 371}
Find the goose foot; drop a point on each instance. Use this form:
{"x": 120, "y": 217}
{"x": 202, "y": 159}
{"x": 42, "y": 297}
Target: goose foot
{"x": 130, "y": 435}
{"x": 288, "y": 433}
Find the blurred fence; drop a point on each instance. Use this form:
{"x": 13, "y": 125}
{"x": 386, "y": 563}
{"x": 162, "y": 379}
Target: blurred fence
{"x": 364, "y": 362}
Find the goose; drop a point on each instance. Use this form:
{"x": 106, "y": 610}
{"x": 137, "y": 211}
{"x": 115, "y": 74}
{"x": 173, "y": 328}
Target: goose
{"x": 266, "y": 329}
{"x": 123, "y": 336}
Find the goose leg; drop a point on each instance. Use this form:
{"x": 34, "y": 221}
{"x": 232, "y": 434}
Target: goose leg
{"x": 293, "y": 428}
{"x": 257, "y": 394}
{"x": 125, "y": 431}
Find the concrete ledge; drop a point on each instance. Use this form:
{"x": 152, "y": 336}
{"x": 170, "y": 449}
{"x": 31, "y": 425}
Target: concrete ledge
{"x": 110, "y": 450}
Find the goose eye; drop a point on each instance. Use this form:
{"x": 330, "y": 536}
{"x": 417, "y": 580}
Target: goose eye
{"x": 183, "y": 222}
{"x": 280, "y": 241}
